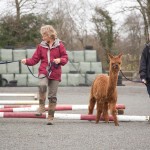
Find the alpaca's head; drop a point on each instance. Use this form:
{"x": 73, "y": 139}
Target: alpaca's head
{"x": 115, "y": 62}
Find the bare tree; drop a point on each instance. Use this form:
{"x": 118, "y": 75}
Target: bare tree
{"x": 24, "y": 6}
{"x": 141, "y": 6}
{"x": 71, "y": 21}
{"x": 79, "y": 16}
{"x": 145, "y": 11}
{"x": 132, "y": 44}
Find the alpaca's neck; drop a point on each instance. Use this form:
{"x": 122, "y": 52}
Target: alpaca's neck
{"x": 113, "y": 78}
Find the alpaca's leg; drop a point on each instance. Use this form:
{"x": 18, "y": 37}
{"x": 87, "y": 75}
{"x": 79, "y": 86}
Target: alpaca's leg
{"x": 114, "y": 114}
{"x": 91, "y": 105}
{"x": 99, "y": 111}
{"x": 105, "y": 112}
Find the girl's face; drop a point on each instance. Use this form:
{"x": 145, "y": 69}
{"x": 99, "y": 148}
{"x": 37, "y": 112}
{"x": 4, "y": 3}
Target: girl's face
{"x": 46, "y": 38}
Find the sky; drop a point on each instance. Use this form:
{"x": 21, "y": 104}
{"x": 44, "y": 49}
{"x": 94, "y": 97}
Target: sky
{"x": 112, "y": 6}
{"x": 2, "y": 4}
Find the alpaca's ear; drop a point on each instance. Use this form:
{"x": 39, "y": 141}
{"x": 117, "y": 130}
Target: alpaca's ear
{"x": 110, "y": 56}
{"x": 120, "y": 55}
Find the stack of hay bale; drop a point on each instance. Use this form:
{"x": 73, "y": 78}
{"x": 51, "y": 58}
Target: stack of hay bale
{"x": 81, "y": 69}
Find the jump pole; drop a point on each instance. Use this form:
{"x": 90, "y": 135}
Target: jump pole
{"x": 17, "y": 102}
{"x": 18, "y": 94}
{"x": 124, "y": 118}
{"x": 22, "y": 108}
{"x": 58, "y": 108}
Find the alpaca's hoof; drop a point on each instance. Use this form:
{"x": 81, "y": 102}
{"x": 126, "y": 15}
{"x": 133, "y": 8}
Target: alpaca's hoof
{"x": 106, "y": 121}
{"x": 120, "y": 111}
{"x": 38, "y": 114}
{"x": 96, "y": 122}
{"x": 90, "y": 114}
{"x": 117, "y": 124}
{"x": 89, "y": 120}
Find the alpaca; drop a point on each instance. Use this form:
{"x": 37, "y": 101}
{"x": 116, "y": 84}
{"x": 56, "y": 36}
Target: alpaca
{"x": 104, "y": 91}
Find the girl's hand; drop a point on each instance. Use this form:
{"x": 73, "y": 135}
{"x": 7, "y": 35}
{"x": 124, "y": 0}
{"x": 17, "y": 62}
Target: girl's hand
{"x": 144, "y": 81}
{"x": 23, "y": 61}
{"x": 56, "y": 61}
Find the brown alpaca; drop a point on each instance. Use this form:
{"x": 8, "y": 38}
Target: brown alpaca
{"x": 104, "y": 91}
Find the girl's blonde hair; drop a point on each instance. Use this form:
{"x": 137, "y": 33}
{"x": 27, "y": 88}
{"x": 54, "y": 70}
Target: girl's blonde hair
{"x": 49, "y": 30}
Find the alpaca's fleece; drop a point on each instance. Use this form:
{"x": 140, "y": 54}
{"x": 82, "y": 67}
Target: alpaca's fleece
{"x": 104, "y": 91}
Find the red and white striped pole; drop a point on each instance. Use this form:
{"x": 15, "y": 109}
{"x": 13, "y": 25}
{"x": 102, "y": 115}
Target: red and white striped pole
{"x": 93, "y": 117}
{"x": 16, "y": 103}
{"x": 32, "y": 108}
{"x": 123, "y": 118}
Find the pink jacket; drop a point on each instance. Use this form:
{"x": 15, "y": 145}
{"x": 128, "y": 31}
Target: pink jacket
{"x": 57, "y": 51}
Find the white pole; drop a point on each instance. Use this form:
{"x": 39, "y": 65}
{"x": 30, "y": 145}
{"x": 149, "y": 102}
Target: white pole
{"x": 19, "y": 94}
{"x": 17, "y": 102}
{"x": 132, "y": 118}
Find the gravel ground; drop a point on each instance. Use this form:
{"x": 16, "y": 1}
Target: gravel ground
{"x": 34, "y": 134}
